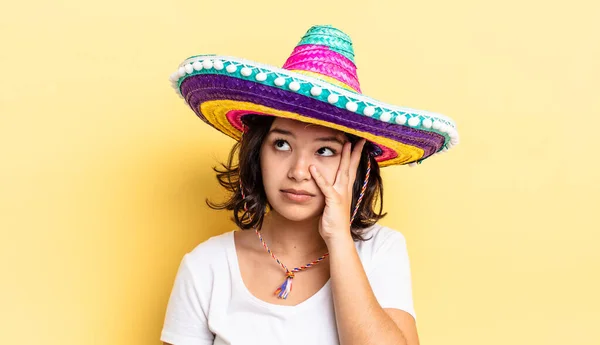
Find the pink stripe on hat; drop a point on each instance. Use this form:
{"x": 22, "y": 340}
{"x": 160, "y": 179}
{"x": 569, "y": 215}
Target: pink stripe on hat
{"x": 322, "y": 60}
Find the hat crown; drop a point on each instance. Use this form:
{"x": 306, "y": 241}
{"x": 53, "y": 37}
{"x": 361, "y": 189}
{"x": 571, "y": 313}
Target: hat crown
{"x": 326, "y": 53}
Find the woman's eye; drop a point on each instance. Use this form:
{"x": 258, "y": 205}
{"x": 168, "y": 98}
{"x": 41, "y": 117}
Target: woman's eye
{"x": 325, "y": 151}
{"x": 282, "y": 145}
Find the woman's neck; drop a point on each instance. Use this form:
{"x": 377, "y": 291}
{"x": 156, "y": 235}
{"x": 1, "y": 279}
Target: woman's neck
{"x": 289, "y": 238}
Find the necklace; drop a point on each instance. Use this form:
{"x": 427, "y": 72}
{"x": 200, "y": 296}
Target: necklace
{"x": 284, "y": 290}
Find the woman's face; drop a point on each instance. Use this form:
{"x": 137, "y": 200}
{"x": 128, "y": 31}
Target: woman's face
{"x": 287, "y": 151}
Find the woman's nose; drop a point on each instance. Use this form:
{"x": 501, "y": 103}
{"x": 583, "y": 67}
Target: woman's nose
{"x": 299, "y": 169}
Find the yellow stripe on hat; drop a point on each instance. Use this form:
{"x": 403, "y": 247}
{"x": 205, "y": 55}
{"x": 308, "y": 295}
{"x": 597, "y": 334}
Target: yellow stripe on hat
{"x": 216, "y": 113}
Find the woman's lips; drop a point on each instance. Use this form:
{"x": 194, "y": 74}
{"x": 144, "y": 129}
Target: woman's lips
{"x": 297, "y": 196}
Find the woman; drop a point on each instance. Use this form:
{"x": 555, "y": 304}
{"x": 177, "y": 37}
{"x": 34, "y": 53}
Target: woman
{"x": 309, "y": 264}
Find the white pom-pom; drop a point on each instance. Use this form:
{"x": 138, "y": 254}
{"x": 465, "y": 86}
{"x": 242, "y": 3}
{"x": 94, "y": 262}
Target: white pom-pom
{"x": 174, "y": 77}
{"x": 207, "y": 64}
{"x": 294, "y": 86}
{"x": 385, "y": 117}
{"x": 246, "y": 72}
{"x": 401, "y": 119}
{"x": 427, "y": 123}
{"x": 444, "y": 128}
{"x": 414, "y": 121}
{"x": 437, "y": 125}
{"x": 218, "y": 65}
{"x": 280, "y": 81}
{"x": 188, "y": 68}
{"x": 181, "y": 71}
{"x": 316, "y": 91}
{"x": 369, "y": 111}
{"x": 261, "y": 76}
{"x": 412, "y": 165}
{"x": 197, "y": 65}
{"x": 452, "y": 133}
{"x": 231, "y": 68}
{"x": 333, "y": 98}
{"x": 352, "y": 106}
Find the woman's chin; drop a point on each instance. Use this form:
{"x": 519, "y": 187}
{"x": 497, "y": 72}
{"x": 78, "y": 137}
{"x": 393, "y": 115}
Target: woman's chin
{"x": 297, "y": 214}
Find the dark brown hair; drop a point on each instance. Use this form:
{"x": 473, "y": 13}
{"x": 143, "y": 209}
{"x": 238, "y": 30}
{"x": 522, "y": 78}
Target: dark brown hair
{"x": 244, "y": 161}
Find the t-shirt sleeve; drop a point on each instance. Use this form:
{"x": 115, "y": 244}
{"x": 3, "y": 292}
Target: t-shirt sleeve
{"x": 390, "y": 276}
{"x": 185, "y": 320}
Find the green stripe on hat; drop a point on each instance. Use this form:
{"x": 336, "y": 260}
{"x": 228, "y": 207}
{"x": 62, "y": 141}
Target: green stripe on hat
{"x": 331, "y": 37}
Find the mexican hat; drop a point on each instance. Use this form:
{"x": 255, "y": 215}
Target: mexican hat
{"x": 317, "y": 84}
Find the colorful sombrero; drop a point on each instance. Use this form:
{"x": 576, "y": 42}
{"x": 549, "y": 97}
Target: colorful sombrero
{"x": 318, "y": 84}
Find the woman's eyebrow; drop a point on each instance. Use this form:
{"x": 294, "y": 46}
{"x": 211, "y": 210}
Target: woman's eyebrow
{"x": 282, "y": 131}
{"x": 332, "y": 138}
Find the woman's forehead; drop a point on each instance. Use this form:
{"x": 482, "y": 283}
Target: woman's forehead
{"x": 298, "y": 127}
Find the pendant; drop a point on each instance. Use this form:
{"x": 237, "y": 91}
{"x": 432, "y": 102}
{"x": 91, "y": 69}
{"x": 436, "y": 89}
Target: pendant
{"x": 284, "y": 290}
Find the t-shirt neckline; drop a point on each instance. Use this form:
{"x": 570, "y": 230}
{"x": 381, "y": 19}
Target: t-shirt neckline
{"x": 240, "y": 286}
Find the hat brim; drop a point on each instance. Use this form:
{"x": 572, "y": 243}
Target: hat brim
{"x": 220, "y": 90}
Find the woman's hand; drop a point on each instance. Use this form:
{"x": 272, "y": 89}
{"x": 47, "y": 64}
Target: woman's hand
{"x": 335, "y": 221}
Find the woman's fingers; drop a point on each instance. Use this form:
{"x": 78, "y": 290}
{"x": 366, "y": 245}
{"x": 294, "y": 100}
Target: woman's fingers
{"x": 343, "y": 173}
{"x": 355, "y": 161}
{"x": 324, "y": 186}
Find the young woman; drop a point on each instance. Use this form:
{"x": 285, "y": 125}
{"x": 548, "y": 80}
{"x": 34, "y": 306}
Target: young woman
{"x": 308, "y": 263}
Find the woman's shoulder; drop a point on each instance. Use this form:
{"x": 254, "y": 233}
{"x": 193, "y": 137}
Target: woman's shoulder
{"x": 377, "y": 235}
{"x": 211, "y": 251}
{"x": 379, "y": 239}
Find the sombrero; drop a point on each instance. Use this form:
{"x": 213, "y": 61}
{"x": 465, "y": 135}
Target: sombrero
{"x": 318, "y": 84}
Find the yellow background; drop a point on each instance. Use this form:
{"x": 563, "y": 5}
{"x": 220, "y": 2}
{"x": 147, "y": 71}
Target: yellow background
{"x": 105, "y": 170}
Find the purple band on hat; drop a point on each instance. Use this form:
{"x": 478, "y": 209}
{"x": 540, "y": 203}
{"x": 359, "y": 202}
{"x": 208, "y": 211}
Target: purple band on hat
{"x": 208, "y": 87}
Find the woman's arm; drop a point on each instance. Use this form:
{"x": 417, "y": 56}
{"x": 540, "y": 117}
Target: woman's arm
{"x": 360, "y": 318}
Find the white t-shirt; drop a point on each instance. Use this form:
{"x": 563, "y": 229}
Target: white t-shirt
{"x": 210, "y": 304}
